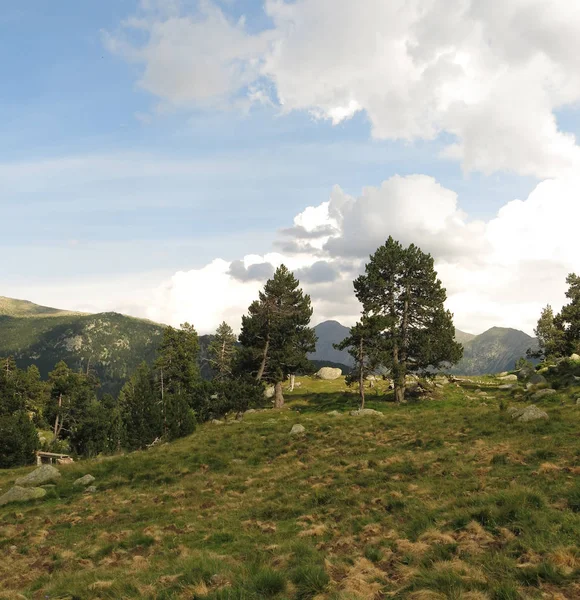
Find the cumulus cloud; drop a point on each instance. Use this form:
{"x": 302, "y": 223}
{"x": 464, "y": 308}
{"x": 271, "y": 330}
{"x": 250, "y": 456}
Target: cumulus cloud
{"x": 490, "y": 76}
{"x": 255, "y": 272}
{"x": 500, "y": 272}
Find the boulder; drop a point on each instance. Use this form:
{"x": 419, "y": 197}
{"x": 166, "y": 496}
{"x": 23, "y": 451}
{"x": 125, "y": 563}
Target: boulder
{"x": 297, "y": 429}
{"x": 503, "y": 374}
{"x": 525, "y": 373}
{"x": 538, "y": 379}
{"x": 328, "y": 373}
{"x": 508, "y": 377}
{"x": 84, "y": 480}
{"x": 364, "y": 412}
{"x": 22, "y": 494}
{"x": 529, "y": 413}
{"x": 269, "y": 392}
{"x": 575, "y": 357}
{"x": 334, "y": 413}
{"x": 91, "y": 489}
{"x": 41, "y": 475}
{"x": 542, "y": 393}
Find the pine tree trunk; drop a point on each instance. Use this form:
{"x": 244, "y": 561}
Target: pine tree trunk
{"x": 361, "y": 374}
{"x": 278, "y": 396}
{"x": 264, "y": 357}
{"x": 292, "y": 381}
{"x": 399, "y": 392}
{"x": 57, "y": 422}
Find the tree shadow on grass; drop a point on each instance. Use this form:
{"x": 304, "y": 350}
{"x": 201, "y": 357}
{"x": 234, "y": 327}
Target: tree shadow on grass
{"x": 339, "y": 401}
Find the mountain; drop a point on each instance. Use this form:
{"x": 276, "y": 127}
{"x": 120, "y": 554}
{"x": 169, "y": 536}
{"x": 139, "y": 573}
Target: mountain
{"x": 110, "y": 344}
{"x": 493, "y": 351}
{"x": 329, "y": 333}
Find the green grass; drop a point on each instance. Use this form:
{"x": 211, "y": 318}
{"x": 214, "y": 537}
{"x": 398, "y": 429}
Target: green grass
{"x": 443, "y": 498}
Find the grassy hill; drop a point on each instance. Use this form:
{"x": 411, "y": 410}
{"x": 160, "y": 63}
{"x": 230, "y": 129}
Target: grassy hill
{"x": 110, "y": 344}
{"x": 443, "y": 499}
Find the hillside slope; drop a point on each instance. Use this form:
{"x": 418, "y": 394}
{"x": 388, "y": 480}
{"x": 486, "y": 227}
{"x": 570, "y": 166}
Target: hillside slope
{"x": 110, "y": 344}
{"x": 446, "y": 498}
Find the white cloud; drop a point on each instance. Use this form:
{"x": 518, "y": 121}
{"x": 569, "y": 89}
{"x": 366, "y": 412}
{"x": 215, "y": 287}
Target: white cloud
{"x": 490, "y": 75}
{"x": 497, "y": 273}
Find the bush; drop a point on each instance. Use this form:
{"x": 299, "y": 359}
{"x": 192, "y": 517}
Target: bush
{"x": 18, "y": 440}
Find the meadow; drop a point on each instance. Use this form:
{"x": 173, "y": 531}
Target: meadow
{"x": 444, "y": 498}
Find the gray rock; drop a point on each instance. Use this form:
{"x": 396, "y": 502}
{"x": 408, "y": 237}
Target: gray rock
{"x": 366, "y": 412}
{"x": 525, "y": 373}
{"x": 328, "y": 373}
{"x": 22, "y": 494}
{"x": 529, "y": 413}
{"x": 503, "y": 374}
{"x": 334, "y": 413}
{"x": 507, "y": 386}
{"x": 575, "y": 357}
{"x": 269, "y": 392}
{"x": 297, "y": 429}
{"x": 91, "y": 489}
{"x": 542, "y": 393}
{"x": 578, "y": 401}
{"x": 217, "y": 422}
{"x": 41, "y": 475}
{"x": 537, "y": 379}
{"x": 83, "y": 481}
{"x": 508, "y": 377}
{"x": 250, "y": 411}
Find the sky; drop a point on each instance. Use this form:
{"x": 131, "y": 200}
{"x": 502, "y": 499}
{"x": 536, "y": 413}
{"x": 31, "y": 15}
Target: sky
{"x": 161, "y": 157}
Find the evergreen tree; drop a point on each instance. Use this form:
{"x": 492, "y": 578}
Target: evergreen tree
{"x": 364, "y": 345}
{"x": 141, "y": 411}
{"x": 18, "y": 440}
{"x": 71, "y": 393}
{"x": 222, "y": 352}
{"x": 276, "y": 336}
{"x": 550, "y": 337}
{"x": 400, "y": 286}
{"x": 568, "y": 320}
{"x": 178, "y": 374}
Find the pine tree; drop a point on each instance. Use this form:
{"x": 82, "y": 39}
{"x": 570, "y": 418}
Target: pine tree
{"x": 400, "y": 286}
{"x": 222, "y": 351}
{"x": 550, "y": 337}
{"x": 568, "y": 320}
{"x": 276, "y": 336}
{"x": 364, "y": 345}
{"x": 140, "y": 408}
{"x": 178, "y": 374}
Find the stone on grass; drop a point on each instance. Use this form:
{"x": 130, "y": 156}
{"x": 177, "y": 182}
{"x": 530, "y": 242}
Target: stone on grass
{"x": 507, "y": 386}
{"x": 328, "y": 373}
{"x": 537, "y": 379}
{"x": 217, "y": 422}
{"x": 84, "y": 480}
{"x": 529, "y": 413}
{"x": 525, "y": 373}
{"x": 91, "y": 489}
{"x": 297, "y": 429}
{"x": 22, "y": 494}
{"x": 541, "y": 393}
{"x": 508, "y": 377}
{"x": 41, "y": 475}
{"x": 334, "y": 413}
{"x": 575, "y": 357}
{"x": 366, "y": 412}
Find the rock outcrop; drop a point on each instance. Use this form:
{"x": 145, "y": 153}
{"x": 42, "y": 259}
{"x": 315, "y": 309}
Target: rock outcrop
{"x": 328, "y": 373}
{"x": 40, "y": 476}
{"x": 22, "y": 494}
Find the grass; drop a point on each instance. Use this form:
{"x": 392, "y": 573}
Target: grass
{"x": 446, "y": 498}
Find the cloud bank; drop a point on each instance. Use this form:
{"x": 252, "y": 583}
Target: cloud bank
{"x": 500, "y": 272}
{"x": 488, "y": 77}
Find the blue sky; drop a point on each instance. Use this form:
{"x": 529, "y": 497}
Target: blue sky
{"x": 101, "y": 178}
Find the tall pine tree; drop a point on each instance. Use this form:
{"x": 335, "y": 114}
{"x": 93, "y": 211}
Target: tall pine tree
{"x": 222, "y": 352}
{"x": 400, "y": 286}
{"x": 276, "y": 336}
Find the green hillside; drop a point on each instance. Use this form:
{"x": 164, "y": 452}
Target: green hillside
{"x": 110, "y": 344}
{"x": 447, "y": 498}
